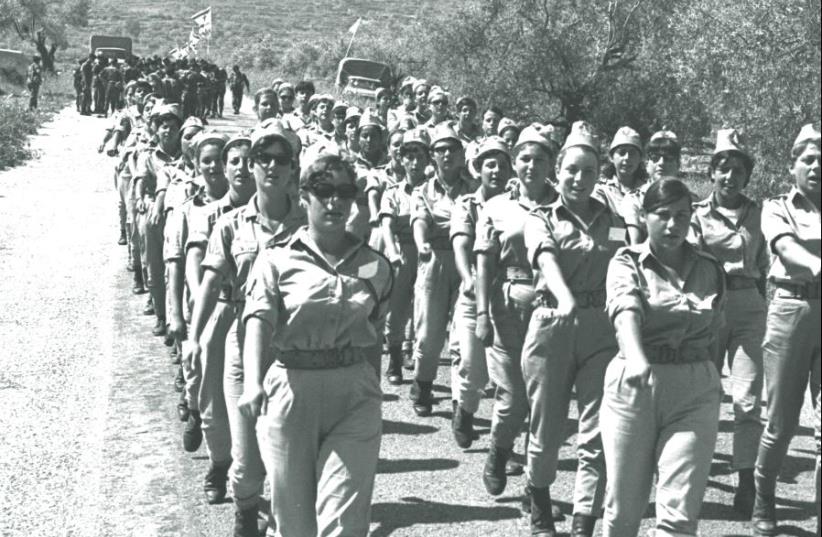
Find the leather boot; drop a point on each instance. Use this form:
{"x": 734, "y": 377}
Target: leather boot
{"x": 193, "y": 432}
{"x": 556, "y": 512}
{"x": 583, "y": 525}
{"x": 179, "y": 380}
{"x": 394, "y": 371}
{"x": 542, "y": 521}
{"x": 764, "y": 515}
{"x": 122, "y": 241}
{"x": 462, "y": 425}
{"x": 245, "y": 523}
{"x": 421, "y": 396}
{"x": 214, "y": 484}
{"x": 745, "y": 493}
{"x": 139, "y": 287}
{"x": 408, "y": 359}
{"x": 159, "y": 329}
{"x": 493, "y": 475}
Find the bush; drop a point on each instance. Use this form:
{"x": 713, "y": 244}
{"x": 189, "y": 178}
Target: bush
{"x": 18, "y": 124}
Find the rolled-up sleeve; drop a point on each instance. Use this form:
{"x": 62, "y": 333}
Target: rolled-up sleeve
{"x": 487, "y": 241}
{"x": 623, "y": 286}
{"x": 461, "y": 222}
{"x": 775, "y": 223}
{"x": 262, "y": 298}
{"x": 388, "y": 205}
{"x": 175, "y": 236}
{"x": 419, "y": 209}
{"x": 538, "y": 237}
{"x": 218, "y": 252}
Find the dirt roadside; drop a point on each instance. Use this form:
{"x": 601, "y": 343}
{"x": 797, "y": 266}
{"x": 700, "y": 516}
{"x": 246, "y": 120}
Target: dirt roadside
{"x": 89, "y": 441}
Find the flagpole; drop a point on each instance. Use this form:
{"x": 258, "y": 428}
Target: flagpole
{"x": 353, "y": 35}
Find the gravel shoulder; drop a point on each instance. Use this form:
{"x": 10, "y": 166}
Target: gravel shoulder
{"x": 89, "y": 440}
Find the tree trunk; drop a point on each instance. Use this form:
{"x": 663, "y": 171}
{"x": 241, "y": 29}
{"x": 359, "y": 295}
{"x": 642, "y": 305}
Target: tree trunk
{"x": 46, "y": 53}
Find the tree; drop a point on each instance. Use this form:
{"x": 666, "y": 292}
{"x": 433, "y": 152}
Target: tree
{"x": 43, "y": 23}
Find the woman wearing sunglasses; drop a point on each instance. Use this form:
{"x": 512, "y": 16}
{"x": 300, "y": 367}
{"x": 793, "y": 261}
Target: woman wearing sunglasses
{"x": 272, "y": 215}
{"x": 315, "y": 309}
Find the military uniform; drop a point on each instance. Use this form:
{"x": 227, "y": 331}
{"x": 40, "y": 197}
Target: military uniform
{"x": 233, "y": 246}
{"x": 740, "y": 246}
{"x": 557, "y": 358}
{"x": 320, "y": 427}
{"x": 791, "y": 350}
{"x": 669, "y": 427}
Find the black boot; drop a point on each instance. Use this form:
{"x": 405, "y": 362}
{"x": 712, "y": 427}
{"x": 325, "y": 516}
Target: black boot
{"x": 214, "y": 484}
{"x": 122, "y": 241}
{"x": 542, "y": 521}
{"x": 764, "y": 515}
{"x": 556, "y": 512}
{"x": 408, "y": 359}
{"x": 182, "y": 410}
{"x": 139, "y": 287}
{"x": 179, "y": 380}
{"x": 462, "y": 425}
{"x": 394, "y": 371}
{"x": 583, "y": 525}
{"x": 245, "y": 523}
{"x": 745, "y": 493}
{"x": 493, "y": 475}
{"x": 421, "y": 396}
{"x": 193, "y": 432}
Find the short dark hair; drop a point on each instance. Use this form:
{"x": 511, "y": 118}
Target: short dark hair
{"x": 265, "y": 91}
{"x": 322, "y": 166}
{"x": 305, "y": 86}
{"x": 495, "y": 109}
{"x": 723, "y": 156}
{"x": 664, "y": 192}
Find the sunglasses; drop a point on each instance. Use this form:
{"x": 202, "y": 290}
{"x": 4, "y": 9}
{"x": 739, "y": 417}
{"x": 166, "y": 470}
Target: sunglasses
{"x": 345, "y": 191}
{"x": 655, "y": 156}
{"x": 442, "y": 149}
{"x": 265, "y": 159}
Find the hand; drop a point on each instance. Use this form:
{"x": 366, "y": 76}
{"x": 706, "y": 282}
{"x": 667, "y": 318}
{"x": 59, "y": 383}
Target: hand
{"x": 177, "y": 328}
{"x": 397, "y": 260}
{"x": 425, "y": 251}
{"x": 251, "y": 401}
{"x": 140, "y": 206}
{"x": 191, "y": 352}
{"x": 566, "y": 313}
{"x": 467, "y": 287}
{"x": 154, "y": 216}
{"x": 100, "y": 148}
{"x": 484, "y": 331}
{"x": 112, "y": 152}
{"x": 638, "y": 373}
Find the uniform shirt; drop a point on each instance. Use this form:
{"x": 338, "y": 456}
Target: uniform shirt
{"x": 465, "y": 215}
{"x": 673, "y": 314}
{"x": 178, "y": 184}
{"x": 795, "y": 215}
{"x": 617, "y": 196}
{"x": 314, "y": 305}
{"x": 396, "y": 203}
{"x": 238, "y": 237}
{"x": 739, "y": 246}
{"x": 178, "y": 227}
{"x": 581, "y": 251}
{"x": 313, "y": 133}
{"x": 500, "y": 232}
{"x": 204, "y": 218}
{"x": 150, "y": 164}
{"x": 433, "y": 202}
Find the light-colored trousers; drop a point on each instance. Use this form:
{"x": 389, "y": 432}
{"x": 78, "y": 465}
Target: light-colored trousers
{"x": 554, "y": 360}
{"x": 469, "y": 370}
{"x": 740, "y": 344}
{"x": 791, "y": 355}
{"x": 319, "y": 436}
{"x": 669, "y": 428}
{"x": 401, "y": 303}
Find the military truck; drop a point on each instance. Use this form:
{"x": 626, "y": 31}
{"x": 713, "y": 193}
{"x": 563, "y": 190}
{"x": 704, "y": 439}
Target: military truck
{"x": 110, "y": 46}
{"x": 13, "y": 66}
{"x": 359, "y": 79}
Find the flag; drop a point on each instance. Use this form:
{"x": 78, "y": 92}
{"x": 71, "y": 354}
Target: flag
{"x": 202, "y": 19}
{"x": 355, "y": 27}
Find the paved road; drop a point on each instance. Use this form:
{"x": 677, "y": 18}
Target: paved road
{"x": 89, "y": 441}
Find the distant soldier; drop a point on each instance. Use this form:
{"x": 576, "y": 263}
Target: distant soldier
{"x": 78, "y": 85}
{"x": 34, "y": 78}
{"x": 98, "y": 87}
{"x": 172, "y": 90}
{"x": 113, "y": 79}
{"x": 237, "y": 81}
{"x": 220, "y": 80}
{"x": 87, "y": 70}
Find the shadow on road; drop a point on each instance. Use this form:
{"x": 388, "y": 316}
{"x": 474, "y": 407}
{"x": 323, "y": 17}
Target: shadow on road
{"x": 401, "y": 466}
{"x": 415, "y": 511}
{"x": 402, "y": 427}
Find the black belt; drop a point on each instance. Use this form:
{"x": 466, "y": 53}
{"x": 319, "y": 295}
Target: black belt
{"x": 518, "y": 274}
{"x": 584, "y": 299}
{"x": 735, "y": 283}
{"x": 320, "y": 358}
{"x": 663, "y": 354}
{"x": 801, "y": 291}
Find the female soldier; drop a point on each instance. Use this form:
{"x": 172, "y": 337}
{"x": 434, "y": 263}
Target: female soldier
{"x": 790, "y": 224}
{"x": 369, "y": 161}
{"x": 624, "y": 174}
{"x": 469, "y": 371}
{"x": 378, "y": 180}
{"x": 318, "y": 302}
{"x": 508, "y": 130}
{"x": 727, "y": 225}
{"x": 505, "y": 296}
{"x": 569, "y": 341}
{"x": 271, "y": 215}
{"x": 660, "y": 411}
{"x": 437, "y": 279}
{"x": 352, "y": 124}
{"x": 395, "y": 217}
{"x": 266, "y": 104}
{"x": 206, "y": 150}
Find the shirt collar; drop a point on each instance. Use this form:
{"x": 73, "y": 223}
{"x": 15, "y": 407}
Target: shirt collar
{"x": 645, "y": 255}
{"x": 799, "y": 200}
{"x": 302, "y": 240}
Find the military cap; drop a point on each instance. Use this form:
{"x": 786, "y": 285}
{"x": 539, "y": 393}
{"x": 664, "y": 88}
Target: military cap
{"x": 435, "y": 93}
{"x": 533, "y": 135}
{"x": 506, "y": 123}
{"x": 626, "y": 136}
{"x": 315, "y": 99}
{"x": 212, "y": 137}
{"x": 285, "y": 86}
{"x": 465, "y": 99}
{"x": 808, "y": 133}
{"x": 192, "y": 122}
{"x": 491, "y": 144}
{"x": 419, "y": 83}
{"x": 273, "y": 128}
{"x": 237, "y": 139}
{"x": 417, "y": 135}
{"x": 582, "y": 135}
{"x": 352, "y": 112}
{"x": 442, "y": 133}
{"x": 407, "y": 83}
{"x": 166, "y": 110}
{"x": 370, "y": 119}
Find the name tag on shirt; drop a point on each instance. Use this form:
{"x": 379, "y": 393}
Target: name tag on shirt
{"x": 616, "y": 234}
{"x": 368, "y": 271}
